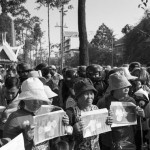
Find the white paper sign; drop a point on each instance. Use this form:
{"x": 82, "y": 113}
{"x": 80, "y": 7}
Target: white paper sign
{"x": 123, "y": 114}
{"x": 15, "y": 144}
{"x": 95, "y": 122}
{"x": 48, "y": 126}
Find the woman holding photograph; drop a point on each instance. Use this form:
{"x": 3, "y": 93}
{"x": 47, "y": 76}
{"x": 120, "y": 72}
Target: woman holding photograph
{"x": 31, "y": 98}
{"x": 84, "y": 95}
{"x": 120, "y": 138}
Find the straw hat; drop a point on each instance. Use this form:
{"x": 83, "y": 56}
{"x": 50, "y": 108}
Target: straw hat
{"x": 126, "y": 73}
{"x": 37, "y": 74}
{"x": 49, "y": 92}
{"x": 33, "y": 89}
{"x": 117, "y": 81}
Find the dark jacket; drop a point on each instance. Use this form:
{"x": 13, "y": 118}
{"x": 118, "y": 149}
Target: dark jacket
{"x": 14, "y": 126}
{"x": 119, "y": 137}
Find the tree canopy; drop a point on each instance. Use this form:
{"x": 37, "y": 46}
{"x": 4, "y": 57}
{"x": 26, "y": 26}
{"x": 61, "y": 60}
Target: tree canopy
{"x": 100, "y": 48}
{"x": 52, "y": 3}
{"x": 5, "y": 26}
{"x": 11, "y": 6}
{"x": 103, "y": 38}
{"x": 137, "y": 42}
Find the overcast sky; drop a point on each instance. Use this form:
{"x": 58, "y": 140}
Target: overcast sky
{"x": 114, "y": 13}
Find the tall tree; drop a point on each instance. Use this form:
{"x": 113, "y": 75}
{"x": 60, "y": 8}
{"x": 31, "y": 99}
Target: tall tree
{"x": 83, "y": 43}
{"x": 50, "y": 4}
{"x": 22, "y": 23}
{"x": 37, "y": 35}
{"x": 137, "y": 42}
{"x": 103, "y": 38}
{"x": 5, "y": 26}
{"x": 24, "y": 26}
{"x": 11, "y": 6}
{"x": 101, "y": 46}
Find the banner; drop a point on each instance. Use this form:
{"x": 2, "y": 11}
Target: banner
{"x": 48, "y": 126}
{"x": 15, "y": 144}
{"x": 123, "y": 114}
{"x": 95, "y": 122}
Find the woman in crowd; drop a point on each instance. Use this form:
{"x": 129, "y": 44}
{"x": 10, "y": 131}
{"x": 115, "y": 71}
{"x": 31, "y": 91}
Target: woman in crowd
{"x": 21, "y": 121}
{"x": 84, "y": 95}
{"x": 10, "y": 90}
{"x": 141, "y": 84}
{"x": 66, "y": 91}
{"x": 120, "y": 137}
{"x": 142, "y": 81}
{"x": 11, "y": 72}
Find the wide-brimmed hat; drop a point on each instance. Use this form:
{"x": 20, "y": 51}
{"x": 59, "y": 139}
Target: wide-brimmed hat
{"x": 82, "y": 85}
{"x": 49, "y": 92}
{"x": 37, "y": 74}
{"x": 33, "y": 89}
{"x": 117, "y": 81}
{"x": 126, "y": 73}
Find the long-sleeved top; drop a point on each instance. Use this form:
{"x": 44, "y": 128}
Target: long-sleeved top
{"x": 89, "y": 143}
{"x": 14, "y": 126}
{"x": 119, "y": 137}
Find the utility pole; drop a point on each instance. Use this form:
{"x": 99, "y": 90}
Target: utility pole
{"x": 62, "y": 13}
{"x": 49, "y": 44}
{"x": 62, "y": 36}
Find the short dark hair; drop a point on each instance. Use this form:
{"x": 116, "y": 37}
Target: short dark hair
{"x": 41, "y": 66}
{"x": 62, "y": 145}
{"x": 11, "y": 82}
{"x": 45, "y": 71}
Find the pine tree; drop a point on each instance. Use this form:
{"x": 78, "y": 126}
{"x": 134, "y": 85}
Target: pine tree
{"x": 103, "y": 38}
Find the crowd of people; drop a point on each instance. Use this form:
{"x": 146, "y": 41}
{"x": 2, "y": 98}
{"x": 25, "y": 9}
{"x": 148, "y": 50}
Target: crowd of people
{"x": 23, "y": 90}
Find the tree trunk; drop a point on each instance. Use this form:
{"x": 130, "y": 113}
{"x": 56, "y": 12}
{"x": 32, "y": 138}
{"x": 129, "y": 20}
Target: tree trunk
{"x": 26, "y": 51}
{"x": 83, "y": 44}
{"x": 49, "y": 45}
{"x": 4, "y": 6}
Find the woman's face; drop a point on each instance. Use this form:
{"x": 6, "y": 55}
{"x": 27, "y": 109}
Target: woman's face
{"x": 11, "y": 93}
{"x": 11, "y": 73}
{"x": 123, "y": 92}
{"x": 86, "y": 99}
{"x": 138, "y": 84}
{"x": 33, "y": 105}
